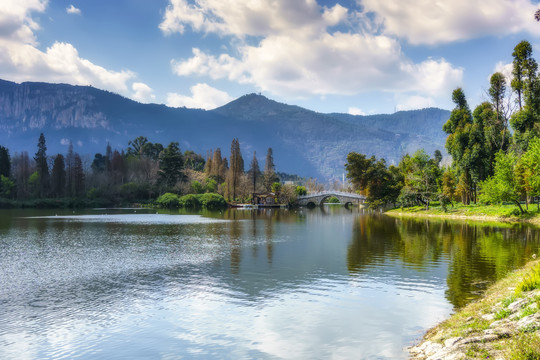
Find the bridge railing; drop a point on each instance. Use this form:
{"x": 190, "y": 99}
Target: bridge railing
{"x": 330, "y": 193}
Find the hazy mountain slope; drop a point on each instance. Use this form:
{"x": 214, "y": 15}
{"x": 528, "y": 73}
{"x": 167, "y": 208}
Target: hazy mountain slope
{"x": 304, "y": 142}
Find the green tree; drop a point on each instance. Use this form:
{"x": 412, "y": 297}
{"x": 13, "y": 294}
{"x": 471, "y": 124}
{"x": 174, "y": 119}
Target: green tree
{"x": 497, "y": 93}
{"x": 269, "y": 175}
{"x": 170, "y": 165}
{"x": 502, "y": 186}
{"x": 301, "y": 190}
{"x": 6, "y": 187}
{"x": 254, "y": 173}
{"x": 135, "y": 147}
{"x": 524, "y": 69}
{"x": 78, "y": 176}
{"x": 531, "y": 168}
{"x": 421, "y": 181}
{"x": 58, "y": 176}
{"x": 193, "y": 161}
{"x": 5, "y": 162}
{"x": 466, "y": 144}
{"x": 42, "y": 166}
{"x": 236, "y": 168}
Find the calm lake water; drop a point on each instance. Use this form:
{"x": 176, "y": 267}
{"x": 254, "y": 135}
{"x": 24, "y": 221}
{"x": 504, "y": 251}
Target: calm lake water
{"x": 267, "y": 284}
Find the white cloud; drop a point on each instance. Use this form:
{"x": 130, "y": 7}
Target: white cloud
{"x": 21, "y": 60}
{"x": 356, "y": 111}
{"x": 433, "y": 22}
{"x": 292, "y": 52}
{"x": 505, "y": 69}
{"x": 142, "y": 92}
{"x": 336, "y": 63}
{"x": 73, "y": 10}
{"x": 414, "y": 102}
{"x": 203, "y": 96}
{"x": 249, "y": 18}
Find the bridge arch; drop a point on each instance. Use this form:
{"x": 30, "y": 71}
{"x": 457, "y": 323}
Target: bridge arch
{"x": 319, "y": 198}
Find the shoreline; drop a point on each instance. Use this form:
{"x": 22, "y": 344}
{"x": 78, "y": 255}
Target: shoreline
{"x": 501, "y": 219}
{"x": 503, "y": 324}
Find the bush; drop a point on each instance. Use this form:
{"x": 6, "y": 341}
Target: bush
{"x": 531, "y": 281}
{"x": 190, "y": 201}
{"x": 168, "y": 200}
{"x": 212, "y": 201}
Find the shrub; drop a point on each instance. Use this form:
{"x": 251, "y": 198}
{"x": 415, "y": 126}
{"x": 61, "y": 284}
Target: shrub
{"x": 212, "y": 201}
{"x": 531, "y": 281}
{"x": 168, "y": 200}
{"x": 190, "y": 201}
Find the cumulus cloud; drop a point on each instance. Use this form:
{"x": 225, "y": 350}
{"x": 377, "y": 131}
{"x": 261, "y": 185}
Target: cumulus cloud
{"x": 142, "y": 92}
{"x": 338, "y": 63}
{"x": 249, "y": 18}
{"x": 356, "y": 111}
{"x": 21, "y": 60}
{"x": 434, "y": 22}
{"x": 203, "y": 96}
{"x": 414, "y": 102}
{"x": 73, "y": 10}
{"x": 505, "y": 69}
{"x": 293, "y": 51}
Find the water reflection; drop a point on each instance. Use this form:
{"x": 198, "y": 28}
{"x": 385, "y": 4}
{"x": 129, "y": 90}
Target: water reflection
{"x": 238, "y": 284}
{"x": 478, "y": 254}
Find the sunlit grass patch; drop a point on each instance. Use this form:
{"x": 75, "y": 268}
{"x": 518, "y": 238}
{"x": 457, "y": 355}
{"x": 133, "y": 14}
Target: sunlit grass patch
{"x": 531, "y": 281}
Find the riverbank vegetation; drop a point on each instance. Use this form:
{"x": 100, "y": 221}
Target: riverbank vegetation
{"x": 494, "y": 151}
{"x": 144, "y": 173}
{"x": 503, "y": 324}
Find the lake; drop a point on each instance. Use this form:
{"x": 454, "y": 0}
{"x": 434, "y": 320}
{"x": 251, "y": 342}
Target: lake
{"x": 239, "y": 284}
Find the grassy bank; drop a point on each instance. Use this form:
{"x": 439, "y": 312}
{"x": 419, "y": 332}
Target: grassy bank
{"x": 504, "y": 324}
{"x": 506, "y": 213}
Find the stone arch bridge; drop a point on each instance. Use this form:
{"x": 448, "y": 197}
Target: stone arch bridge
{"x": 319, "y": 198}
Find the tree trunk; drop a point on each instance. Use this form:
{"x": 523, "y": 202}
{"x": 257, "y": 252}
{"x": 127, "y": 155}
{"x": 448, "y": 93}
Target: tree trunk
{"x": 519, "y": 205}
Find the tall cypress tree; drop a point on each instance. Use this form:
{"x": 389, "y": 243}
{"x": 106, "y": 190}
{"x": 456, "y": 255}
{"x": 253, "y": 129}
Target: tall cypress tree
{"x": 58, "y": 176}
{"x": 236, "y": 167}
{"x": 269, "y": 170}
{"x": 254, "y": 172}
{"x": 42, "y": 166}
{"x": 5, "y": 162}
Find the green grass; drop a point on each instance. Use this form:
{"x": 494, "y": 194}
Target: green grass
{"x": 531, "y": 281}
{"x": 506, "y": 212}
{"x": 501, "y": 314}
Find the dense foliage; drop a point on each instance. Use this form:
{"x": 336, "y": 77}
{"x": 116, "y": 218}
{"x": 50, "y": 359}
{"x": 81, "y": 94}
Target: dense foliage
{"x": 144, "y": 173}
{"x": 495, "y": 150}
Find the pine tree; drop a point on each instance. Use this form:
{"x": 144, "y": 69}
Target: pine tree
{"x": 58, "y": 176}
{"x": 78, "y": 176}
{"x": 42, "y": 166}
{"x": 254, "y": 172}
{"x": 171, "y": 164}
{"x": 269, "y": 170}
{"x": 5, "y": 162}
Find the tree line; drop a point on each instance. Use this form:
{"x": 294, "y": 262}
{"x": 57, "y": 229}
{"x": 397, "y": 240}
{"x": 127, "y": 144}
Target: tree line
{"x": 141, "y": 173}
{"x": 495, "y": 150}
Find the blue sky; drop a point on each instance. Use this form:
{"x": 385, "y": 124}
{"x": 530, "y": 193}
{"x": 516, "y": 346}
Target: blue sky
{"x": 356, "y": 56}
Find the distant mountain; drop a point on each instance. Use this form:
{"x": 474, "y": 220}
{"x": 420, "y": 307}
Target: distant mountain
{"x": 304, "y": 142}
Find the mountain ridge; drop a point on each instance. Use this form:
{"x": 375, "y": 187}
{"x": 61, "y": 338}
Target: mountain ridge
{"x": 305, "y": 142}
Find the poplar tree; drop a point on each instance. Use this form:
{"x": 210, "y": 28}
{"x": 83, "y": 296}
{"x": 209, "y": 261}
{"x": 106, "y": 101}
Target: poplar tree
{"x": 236, "y": 167}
